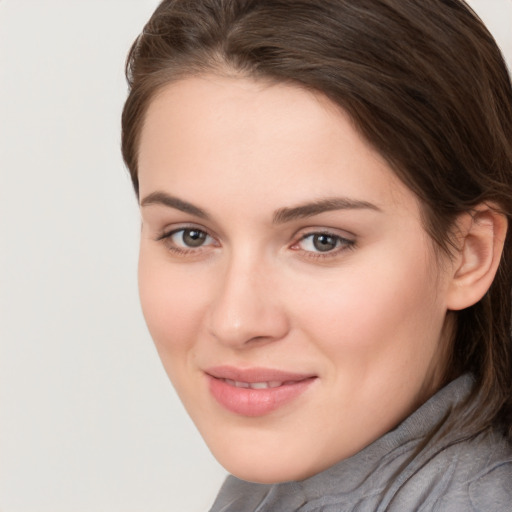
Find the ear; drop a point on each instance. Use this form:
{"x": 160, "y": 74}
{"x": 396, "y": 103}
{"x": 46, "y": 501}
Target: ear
{"x": 480, "y": 237}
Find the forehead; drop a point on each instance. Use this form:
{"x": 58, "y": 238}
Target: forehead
{"x": 207, "y": 135}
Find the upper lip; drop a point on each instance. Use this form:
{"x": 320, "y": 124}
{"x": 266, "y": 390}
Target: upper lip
{"x": 255, "y": 374}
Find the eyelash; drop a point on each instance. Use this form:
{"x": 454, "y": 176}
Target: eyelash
{"x": 166, "y": 239}
{"x": 341, "y": 243}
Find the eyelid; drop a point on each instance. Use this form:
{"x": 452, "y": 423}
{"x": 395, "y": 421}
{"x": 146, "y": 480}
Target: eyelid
{"x": 321, "y": 230}
{"x": 171, "y": 230}
{"x": 165, "y": 237}
{"x": 348, "y": 242}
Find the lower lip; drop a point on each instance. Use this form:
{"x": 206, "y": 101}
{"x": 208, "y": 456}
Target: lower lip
{"x": 255, "y": 402}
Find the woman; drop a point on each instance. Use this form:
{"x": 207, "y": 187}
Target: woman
{"x": 325, "y": 190}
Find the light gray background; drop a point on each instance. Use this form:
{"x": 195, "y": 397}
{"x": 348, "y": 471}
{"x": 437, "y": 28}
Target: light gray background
{"x": 88, "y": 420}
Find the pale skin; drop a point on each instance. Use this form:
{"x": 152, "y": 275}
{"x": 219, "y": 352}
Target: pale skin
{"x": 274, "y": 236}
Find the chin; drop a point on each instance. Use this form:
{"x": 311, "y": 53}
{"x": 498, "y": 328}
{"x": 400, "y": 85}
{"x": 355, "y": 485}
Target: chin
{"x": 267, "y": 474}
{"x": 270, "y": 468}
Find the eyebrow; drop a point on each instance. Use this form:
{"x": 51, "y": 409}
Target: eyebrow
{"x": 323, "y": 205}
{"x": 281, "y": 216}
{"x": 173, "y": 202}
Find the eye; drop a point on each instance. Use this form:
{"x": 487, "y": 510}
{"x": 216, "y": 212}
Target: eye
{"x": 186, "y": 239}
{"x": 190, "y": 238}
{"x": 323, "y": 243}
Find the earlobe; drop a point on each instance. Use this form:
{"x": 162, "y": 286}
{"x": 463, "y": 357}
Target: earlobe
{"x": 480, "y": 239}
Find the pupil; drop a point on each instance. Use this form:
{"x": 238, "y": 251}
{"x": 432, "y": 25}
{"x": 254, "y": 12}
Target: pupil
{"x": 324, "y": 243}
{"x": 194, "y": 237}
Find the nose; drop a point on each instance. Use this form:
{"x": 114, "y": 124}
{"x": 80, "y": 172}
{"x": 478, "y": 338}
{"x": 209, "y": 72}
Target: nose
{"x": 247, "y": 307}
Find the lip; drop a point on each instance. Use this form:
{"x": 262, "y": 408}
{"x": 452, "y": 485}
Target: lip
{"x": 231, "y": 388}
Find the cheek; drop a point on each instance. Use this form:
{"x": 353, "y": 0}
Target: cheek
{"x": 172, "y": 306}
{"x": 386, "y": 305}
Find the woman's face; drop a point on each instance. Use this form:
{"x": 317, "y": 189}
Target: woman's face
{"x": 293, "y": 295}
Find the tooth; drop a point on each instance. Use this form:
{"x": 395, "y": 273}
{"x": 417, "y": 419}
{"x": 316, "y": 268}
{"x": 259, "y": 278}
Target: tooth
{"x": 254, "y": 385}
{"x": 259, "y": 385}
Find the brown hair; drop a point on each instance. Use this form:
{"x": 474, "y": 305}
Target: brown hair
{"x": 425, "y": 84}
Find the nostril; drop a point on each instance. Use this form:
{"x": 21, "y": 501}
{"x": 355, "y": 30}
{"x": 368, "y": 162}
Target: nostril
{"x": 245, "y": 310}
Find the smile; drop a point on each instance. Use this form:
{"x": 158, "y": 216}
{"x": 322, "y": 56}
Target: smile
{"x": 254, "y": 385}
{"x": 255, "y": 392}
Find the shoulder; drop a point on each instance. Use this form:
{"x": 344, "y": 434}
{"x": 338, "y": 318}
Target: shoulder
{"x": 489, "y": 477}
{"x": 469, "y": 475}
{"x": 493, "y": 489}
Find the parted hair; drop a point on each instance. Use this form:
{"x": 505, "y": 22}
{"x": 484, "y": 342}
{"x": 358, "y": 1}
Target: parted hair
{"x": 423, "y": 81}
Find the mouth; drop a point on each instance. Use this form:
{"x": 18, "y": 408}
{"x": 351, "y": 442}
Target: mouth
{"x": 256, "y": 391}
{"x": 255, "y": 385}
